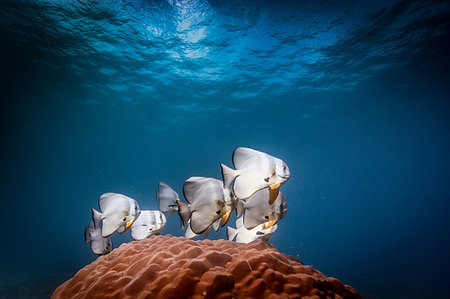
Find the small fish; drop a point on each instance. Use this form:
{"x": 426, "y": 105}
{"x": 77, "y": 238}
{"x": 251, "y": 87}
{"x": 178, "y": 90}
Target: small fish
{"x": 244, "y": 235}
{"x": 148, "y": 223}
{"x": 117, "y": 210}
{"x": 208, "y": 202}
{"x": 255, "y": 170}
{"x": 257, "y": 210}
{"x": 99, "y": 245}
{"x": 167, "y": 198}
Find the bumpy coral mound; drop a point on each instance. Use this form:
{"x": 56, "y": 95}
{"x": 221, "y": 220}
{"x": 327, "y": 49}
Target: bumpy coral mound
{"x": 174, "y": 267}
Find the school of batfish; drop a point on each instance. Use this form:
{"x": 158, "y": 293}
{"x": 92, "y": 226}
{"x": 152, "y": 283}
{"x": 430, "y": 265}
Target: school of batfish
{"x": 252, "y": 189}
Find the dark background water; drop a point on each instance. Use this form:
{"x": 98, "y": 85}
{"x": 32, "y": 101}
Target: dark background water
{"x": 104, "y": 96}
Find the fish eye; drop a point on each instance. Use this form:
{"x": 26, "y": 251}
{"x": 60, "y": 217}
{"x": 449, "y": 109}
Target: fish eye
{"x": 266, "y": 180}
{"x": 267, "y": 216}
{"x": 218, "y": 212}
{"x": 125, "y": 219}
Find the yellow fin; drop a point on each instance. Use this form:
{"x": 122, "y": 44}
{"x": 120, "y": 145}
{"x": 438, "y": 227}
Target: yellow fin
{"x": 270, "y": 224}
{"x": 274, "y": 190}
{"x": 225, "y": 218}
{"x": 128, "y": 225}
{"x": 207, "y": 232}
{"x": 171, "y": 212}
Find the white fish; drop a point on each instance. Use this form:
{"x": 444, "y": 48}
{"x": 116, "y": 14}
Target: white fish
{"x": 148, "y": 223}
{"x": 255, "y": 170}
{"x": 257, "y": 210}
{"x": 167, "y": 198}
{"x": 117, "y": 210}
{"x": 208, "y": 202}
{"x": 244, "y": 235}
{"x": 99, "y": 245}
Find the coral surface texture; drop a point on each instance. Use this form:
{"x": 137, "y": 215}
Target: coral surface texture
{"x": 174, "y": 267}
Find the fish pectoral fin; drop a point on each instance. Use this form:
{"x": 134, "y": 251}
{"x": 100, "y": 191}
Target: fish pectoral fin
{"x": 207, "y": 232}
{"x": 225, "y": 218}
{"x": 128, "y": 225}
{"x": 274, "y": 186}
{"x": 274, "y": 190}
{"x": 270, "y": 224}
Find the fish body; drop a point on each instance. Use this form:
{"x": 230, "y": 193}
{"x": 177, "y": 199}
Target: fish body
{"x": 117, "y": 210}
{"x": 99, "y": 245}
{"x": 243, "y": 235}
{"x": 257, "y": 210}
{"x": 148, "y": 223}
{"x": 208, "y": 201}
{"x": 254, "y": 171}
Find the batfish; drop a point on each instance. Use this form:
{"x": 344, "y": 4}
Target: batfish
{"x": 148, "y": 223}
{"x": 244, "y": 235}
{"x": 257, "y": 210}
{"x": 117, "y": 210}
{"x": 255, "y": 170}
{"x": 99, "y": 245}
{"x": 208, "y": 202}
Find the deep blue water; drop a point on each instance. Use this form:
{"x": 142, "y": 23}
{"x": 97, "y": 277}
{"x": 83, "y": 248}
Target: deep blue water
{"x": 101, "y": 96}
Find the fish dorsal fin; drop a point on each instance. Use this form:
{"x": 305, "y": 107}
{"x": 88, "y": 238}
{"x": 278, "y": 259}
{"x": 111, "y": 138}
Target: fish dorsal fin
{"x": 200, "y": 189}
{"x": 110, "y": 201}
{"x": 241, "y": 154}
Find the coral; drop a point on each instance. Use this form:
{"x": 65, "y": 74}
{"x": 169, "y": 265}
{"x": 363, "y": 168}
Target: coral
{"x": 174, "y": 267}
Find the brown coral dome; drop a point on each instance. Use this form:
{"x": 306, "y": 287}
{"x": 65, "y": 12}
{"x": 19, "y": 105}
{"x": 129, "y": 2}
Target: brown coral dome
{"x": 174, "y": 267}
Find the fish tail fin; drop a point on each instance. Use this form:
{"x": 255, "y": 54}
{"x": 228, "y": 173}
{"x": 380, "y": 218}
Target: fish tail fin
{"x": 228, "y": 175}
{"x": 184, "y": 211}
{"x": 87, "y": 235}
{"x": 231, "y": 233}
{"x": 239, "y": 207}
{"x": 96, "y": 218}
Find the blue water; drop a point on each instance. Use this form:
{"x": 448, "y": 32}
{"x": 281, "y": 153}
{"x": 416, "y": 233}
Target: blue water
{"x": 102, "y": 96}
